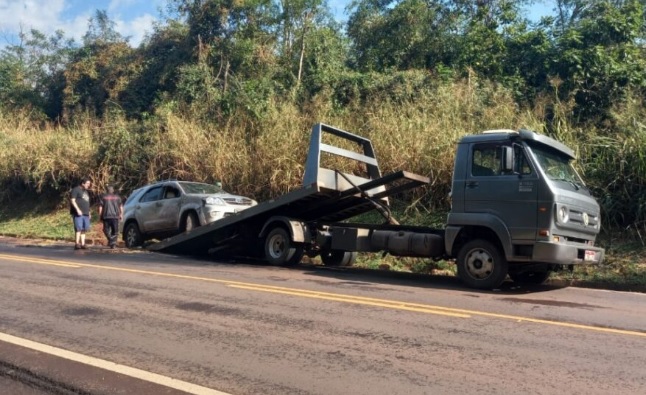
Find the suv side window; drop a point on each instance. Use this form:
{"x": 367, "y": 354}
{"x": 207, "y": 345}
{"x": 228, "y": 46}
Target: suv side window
{"x": 135, "y": 196}
{"x": 152, "y": 194}
{"x": 170, "y": 192}
{"x": 486, "y": 160}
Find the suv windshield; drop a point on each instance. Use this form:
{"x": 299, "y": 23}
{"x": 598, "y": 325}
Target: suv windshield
{"x": 556, "y": 165}
{"x": 199, "y": 188}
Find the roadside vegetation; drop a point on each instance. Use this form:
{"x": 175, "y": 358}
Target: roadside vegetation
{"x": 229, "y": 92}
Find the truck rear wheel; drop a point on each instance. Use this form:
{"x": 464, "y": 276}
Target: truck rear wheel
{"x": 481, "y": 265}
{"x": 338, "y": 258}
{"x": 280, "y": 250}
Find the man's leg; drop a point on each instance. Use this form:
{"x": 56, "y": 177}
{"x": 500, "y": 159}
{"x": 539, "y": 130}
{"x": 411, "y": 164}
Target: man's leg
{"x": 107, "y": 231}
{"x": 85, "y": 228}
{"x": 77, "y": 232}
{"x": 114, "y": 231}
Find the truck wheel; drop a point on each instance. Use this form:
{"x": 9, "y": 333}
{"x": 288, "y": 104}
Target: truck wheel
{"x": 279, "y": 249}
{"x": 338, "y": 258}
{"x": 481, "y": 265}
{"x": 132, "y": 236}
{"x": 190, "y": 222}
{"x": 533, "y": 278}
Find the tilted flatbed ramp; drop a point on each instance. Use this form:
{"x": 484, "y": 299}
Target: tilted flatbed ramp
{"x": 328, "y": 196}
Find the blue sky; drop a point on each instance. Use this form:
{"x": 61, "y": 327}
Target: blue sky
{"x": 133, "y": 18}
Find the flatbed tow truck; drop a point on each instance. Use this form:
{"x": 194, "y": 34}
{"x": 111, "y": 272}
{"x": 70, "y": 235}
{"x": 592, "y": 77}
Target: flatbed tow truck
{"x": 518, "y": 209}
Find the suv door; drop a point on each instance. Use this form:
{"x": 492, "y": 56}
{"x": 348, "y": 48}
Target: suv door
{"x": 169, "y": 209}
{"x": 147, "y": 210}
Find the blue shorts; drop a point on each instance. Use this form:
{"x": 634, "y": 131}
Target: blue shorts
{"x": 81, "y": 223}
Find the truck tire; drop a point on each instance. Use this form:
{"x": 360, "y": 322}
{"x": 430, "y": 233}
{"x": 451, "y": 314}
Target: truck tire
{"x": 481, "y": 265}
{"x": 338, "y": 258}
{"x": 132, "y": 235}
{"x": 280, "y": 250}
{"x": 530, "y": 277}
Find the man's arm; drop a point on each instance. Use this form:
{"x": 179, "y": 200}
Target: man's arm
{"x": 76, "y": 207}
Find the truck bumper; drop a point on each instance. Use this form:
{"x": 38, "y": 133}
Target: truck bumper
{"x": 567, "y": 254}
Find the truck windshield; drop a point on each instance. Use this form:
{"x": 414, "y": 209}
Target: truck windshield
{"x": 556, "y": 165}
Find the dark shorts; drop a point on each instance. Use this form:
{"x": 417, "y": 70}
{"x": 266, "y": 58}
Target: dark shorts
{"x": 81, "y": 223}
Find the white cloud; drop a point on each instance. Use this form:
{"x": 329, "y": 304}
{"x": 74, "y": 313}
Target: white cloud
{"x": 136, "y": 29}
{"x": 47, "y": 16}
{"x": 42, "y": 15}
{"x": 116, "y": 5}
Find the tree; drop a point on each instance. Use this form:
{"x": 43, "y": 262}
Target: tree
{"x": 100, "y": 70}
{"x": 30, "y": 71}
{"x": 409, "y": 34}
{"x": 599, "y": 56}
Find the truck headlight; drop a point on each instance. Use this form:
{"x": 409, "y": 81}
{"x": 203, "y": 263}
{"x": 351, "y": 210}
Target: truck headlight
{"x": 214, "y": 201}
{"x": 563, "y": 214}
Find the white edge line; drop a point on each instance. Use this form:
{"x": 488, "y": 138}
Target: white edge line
{"x": 111, "y": 366}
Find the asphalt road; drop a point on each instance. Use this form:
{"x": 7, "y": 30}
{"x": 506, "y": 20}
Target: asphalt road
{"x": 190, "y": 325}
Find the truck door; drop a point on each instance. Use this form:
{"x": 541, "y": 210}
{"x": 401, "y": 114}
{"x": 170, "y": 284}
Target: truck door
{"x": 510, "y": 196}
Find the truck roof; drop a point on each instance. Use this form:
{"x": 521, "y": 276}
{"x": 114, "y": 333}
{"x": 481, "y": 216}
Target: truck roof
{"x": 522, "y": 134}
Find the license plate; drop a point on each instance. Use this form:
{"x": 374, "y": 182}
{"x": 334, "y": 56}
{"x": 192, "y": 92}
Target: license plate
{"x": 590, "y": 255}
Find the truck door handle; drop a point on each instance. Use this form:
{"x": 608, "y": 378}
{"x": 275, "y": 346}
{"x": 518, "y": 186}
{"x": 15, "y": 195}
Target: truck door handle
{"x": 472, "y": 184}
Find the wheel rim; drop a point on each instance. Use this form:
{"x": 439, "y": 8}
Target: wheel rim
{"x": 131, "y": 236}
{"x": 276, "y": 246}
{"x": 479, "y": 264}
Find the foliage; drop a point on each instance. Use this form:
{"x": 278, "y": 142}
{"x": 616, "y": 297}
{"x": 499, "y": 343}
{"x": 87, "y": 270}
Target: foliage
{"x": 598, "y": 57}
{"x": 227, "y": 88}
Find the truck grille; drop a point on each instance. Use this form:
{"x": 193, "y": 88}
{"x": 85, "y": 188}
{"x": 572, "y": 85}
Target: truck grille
{"x": 584, "y": 219}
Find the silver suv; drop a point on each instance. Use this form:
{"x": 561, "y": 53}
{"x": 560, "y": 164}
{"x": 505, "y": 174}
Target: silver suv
{"x": 168, "y": 208}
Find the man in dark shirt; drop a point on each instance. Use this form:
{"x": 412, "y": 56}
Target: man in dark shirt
{"x": 110, "y": 212}
{"x": 80, "y": 210}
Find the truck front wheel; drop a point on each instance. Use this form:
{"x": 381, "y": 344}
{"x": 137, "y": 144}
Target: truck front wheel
{"x": 280, "y": 250}
{"x": 481, "y": 265}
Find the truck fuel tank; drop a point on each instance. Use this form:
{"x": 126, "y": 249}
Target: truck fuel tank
{"x": 403, "y": 243}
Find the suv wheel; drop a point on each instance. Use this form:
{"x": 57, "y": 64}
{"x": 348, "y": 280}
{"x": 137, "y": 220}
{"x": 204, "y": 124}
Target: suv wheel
{"x": 132, "y": 235}
{"x": 190, "y": 222}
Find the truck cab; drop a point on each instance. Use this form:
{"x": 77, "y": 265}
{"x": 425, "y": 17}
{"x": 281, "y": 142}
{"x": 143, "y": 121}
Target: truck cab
{"x": 520, "y": 208}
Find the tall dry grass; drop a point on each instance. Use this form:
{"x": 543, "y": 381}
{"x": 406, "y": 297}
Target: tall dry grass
{"x": 265, "y": 159}
{"x": 42, "y": 157}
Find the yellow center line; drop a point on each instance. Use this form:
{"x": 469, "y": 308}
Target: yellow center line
{"x": 40, "y": 261}
{"x": 462, "y": 313}
{"x": 350, "y": 299}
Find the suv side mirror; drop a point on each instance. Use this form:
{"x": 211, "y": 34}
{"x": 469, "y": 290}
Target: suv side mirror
{"x": 507, "y": 159}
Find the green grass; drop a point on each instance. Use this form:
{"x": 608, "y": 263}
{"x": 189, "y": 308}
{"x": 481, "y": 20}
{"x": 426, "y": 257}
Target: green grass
{"x": 41, "y": 219}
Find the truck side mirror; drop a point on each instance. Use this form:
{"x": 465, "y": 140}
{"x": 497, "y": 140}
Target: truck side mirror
{"x": 507, "y": 159}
